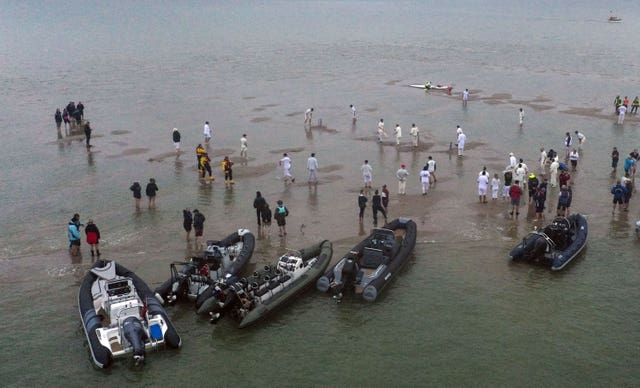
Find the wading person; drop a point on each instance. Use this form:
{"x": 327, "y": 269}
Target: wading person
{"x": 73, "y": 232}
{"x": 362, "y": 204}
{"x": 281, "y": 214}
{"x": 187, "y": 222}
{"x": 198, "y": 226}
{"x": 151, "y": 191}
{"x": 137, "y": 193}
{"x": 376, "y": 205}
{"x": 93, "y": 237}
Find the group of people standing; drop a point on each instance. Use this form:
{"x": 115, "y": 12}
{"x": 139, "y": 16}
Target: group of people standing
{"x": 414, "y": 133}
{"x": 622, "y": 105}
{"x": 92, "y": 234}
{"x": 263, "y": 214}
{"x": 150, "y": 190}
{"x": 72, "y": 116}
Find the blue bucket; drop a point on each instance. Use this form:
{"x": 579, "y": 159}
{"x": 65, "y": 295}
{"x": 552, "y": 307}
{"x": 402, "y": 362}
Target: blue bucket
{"x": 156, "y": 332}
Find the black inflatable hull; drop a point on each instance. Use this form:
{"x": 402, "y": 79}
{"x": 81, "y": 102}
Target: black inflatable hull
{"x": 91, "y": 321}
{"x": 533, "y": 247}
{"x": 249, "y": 242}
{"x": 391, "y": 267}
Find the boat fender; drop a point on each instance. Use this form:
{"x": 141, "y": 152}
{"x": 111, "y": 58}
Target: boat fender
{"x": 370, "y": 293}
{"x": 242, "y": 231}
{"x": 323, "y": 284}
{"x": 134, "y": 333}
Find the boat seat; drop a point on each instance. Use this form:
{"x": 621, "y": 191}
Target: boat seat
{"x": 372, "y": 258}
{"x": 262, "y": 291}
{"x": 273, "y": 284}
{"x": 284, "y": 278}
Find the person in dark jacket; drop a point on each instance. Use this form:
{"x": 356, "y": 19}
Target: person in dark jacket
{"x": 176, "y": 139}
{"x": 259, "y": 203}
{"x": 198, "y": 225}
{"x": 376, "y": 205}
{"x": 93, "y": 237}
{"x": 80, "y": 108}
{"x": 265, "y": 214}
{"x": 151, "y": 190}
{"x": 362, "y": 204}
{"x": 87, "y": 134}
{"x": 137, "y": 193}
{"x": 619, "y": 191}
{"x": 187, "y": 222}
{"x": 280, "y": 215}
{"x": 58, "y": 118}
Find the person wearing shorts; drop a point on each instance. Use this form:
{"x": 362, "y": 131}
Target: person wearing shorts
{"x": 515, "y": 192}
{"x": 198, "y": 225}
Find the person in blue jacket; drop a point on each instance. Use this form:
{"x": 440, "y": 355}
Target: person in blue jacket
{"x": 73, "y": 232}
{"x": 619, "y": 192}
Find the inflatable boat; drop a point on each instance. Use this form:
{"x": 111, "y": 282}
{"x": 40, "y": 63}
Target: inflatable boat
{"x": 192, "y": 279}
{"x": 371, "y": 264}
{"x": 121, "y": 316}
{"x": 250, "y": 300}
{"x": 448, "y": 88}
{"x": 556, "y": 244}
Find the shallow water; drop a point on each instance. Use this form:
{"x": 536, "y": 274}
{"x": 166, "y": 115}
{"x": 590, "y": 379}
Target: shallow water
{"x": 458, "y": 314}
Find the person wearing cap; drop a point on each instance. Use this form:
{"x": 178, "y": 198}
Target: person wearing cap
{"x": 176, "y": 139}
{"x": 243, "y": 146}
{"x": 533, "y": 185}
{"x": 93, "y": 237}
{"x": 402, "y": 175}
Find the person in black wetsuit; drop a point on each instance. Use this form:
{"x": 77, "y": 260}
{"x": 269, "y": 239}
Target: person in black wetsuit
{"x": 151, "y": 190}
{"x": 259, "y": 203}
{"x": 137, "y": 193}
{"x": 376, "y": 204}
{"x": 58, "y": 118}
{"x": 187, "y": 222}
{"x": 80, "y": 108}
{"x": 362, "y": 204}
{"x": 87, "y": 134}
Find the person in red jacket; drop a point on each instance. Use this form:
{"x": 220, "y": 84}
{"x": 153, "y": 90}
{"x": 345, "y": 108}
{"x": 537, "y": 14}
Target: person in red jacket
{"x": 514, "y": 193}
{"x": 93, "y": 237}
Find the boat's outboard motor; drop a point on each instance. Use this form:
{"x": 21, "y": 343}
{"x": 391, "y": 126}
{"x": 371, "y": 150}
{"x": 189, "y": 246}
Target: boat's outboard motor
{"x": 134, "y": 333}
{"x": 349, "y": 272}
{"x": 214, "y": 257}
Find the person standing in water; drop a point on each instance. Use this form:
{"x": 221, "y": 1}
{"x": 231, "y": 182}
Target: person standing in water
{"x": 353, "y": 113}
{"x": 634, "y": 105}
{"x": 615, "y": 157}
{"x": 243, "y": 146}
{"x": 425, "y": 178}
{"x": 462, "y": 138}
{"x": 308, "y": 114}
{"x": 521, "y": 117}
{"x": 376, "y": 205}
{"x": 312, "y": 167}
{"x": 205, "y": 166}
{"x": 58, "y": 118}
{"x": 227, "y": 168}
{"x": 198, "y": 226}
{"x": 151, "y": 191}
{"x": 367, "y": 174}
{"x": 207, "y": 132}
{"x": 362, "y": 204}
{"x": 381, "y": 131}
{"x": 137, "y": 193}
{"x": 176, "y": 139}
{"x": 73, "y": 232}
{"x": 87, "y": 134}
{"x": 285, "y": 162}
{"x": 414, "y": 132}
{"x": 259, "y": 203}
{"x": 385, "y": 197}
{"x": 187, "y": 222}
{"x": 402, "y": 175}
{"x": 398, "y": 133}
{"x": 281, "y": 214}
{"x": 93, "y": 237}
{"x": 431, "y": 166}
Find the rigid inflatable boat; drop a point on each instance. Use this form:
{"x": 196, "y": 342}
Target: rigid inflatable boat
{"x": 371, "y": 264}
{"x": 192, "y": 279}
{"x": 556, "y": 244}
{"x": 121, "y": 316}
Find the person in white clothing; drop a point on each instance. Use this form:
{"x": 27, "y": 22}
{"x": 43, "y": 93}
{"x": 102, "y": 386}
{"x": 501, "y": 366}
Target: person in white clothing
{"x": 622, "y": 111}
{"x": 495, "y": 186}
{"x": 353, "y": 112}
{"x": 458, "y": 130}
{"x": 381, "y": 131}
{"x": 414, "y": 132}
{"x": 402, "y": 175}
{"x": 207, "y": 132}
{"x": 520, "y": 173}
{"x": 312, "y": 167}
{"x": 573, "y": 158}
{"x": 521, "y": 117}
{"x": 581, "y": 137}
{"x": 553, "y": 171}
{"x": 425, "y": 178}
{"x": 431, "y": 164}
{"x": 243, "y": 146}
{"x": 307, "y": 115}
{"x": 398, "y": 133}
{"x": 285, "y": 162}
{"x": 465, "y": 97}
{"x": 367, "y": 173}
{"x": 513, "y": 162}
{"x": 483, "y": 183}
{"x": 543, "y": 159}
{"x": 462, "y": 138}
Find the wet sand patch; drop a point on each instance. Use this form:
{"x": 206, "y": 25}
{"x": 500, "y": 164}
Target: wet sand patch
{"x": 252, "y": 171}
{"x": 130, "y": 152}
{"x": 259, "y": 109}
{"x": 269, "y": 105}
{"x": 497, "y": 96}
{"x": 294, "y": 114}
{"x": 494, "y": 102}
{"x": 288, "y": 150}
{"x": 260, "y": 119}
{"x": 120, "y": 132}
{"x": 392, "y": 82}
{"x": 120, "y": 143}
{"x": 331, "y": 168}
{"x": 588, "y": 112}
{"x": 161, "y": 157}
{"x": 371, "y": 110}
{"x": 323, "y": 128}
{"x": 218, "y": 152}
{"x": 248, "y": 98}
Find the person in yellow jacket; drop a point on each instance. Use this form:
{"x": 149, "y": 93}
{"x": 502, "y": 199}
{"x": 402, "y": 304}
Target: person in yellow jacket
{"x": 228, "y": 172}
{"x": 200, "y": 152}
{"x": 205, "y": 166}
